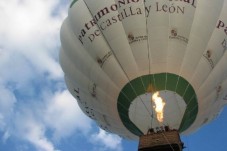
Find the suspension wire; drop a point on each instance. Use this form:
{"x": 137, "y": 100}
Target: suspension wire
{"x": 149, "y": 59}
{"x": 120, "y": 65}
{"x": 149, "y": 65}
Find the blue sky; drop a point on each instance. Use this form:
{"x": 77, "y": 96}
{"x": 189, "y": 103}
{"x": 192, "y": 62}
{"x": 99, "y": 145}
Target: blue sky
{"x": 37, "y": 113}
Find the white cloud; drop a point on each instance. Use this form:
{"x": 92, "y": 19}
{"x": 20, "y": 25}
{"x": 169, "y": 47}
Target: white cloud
{"x": 7, "y": 101}
{"x": 15, "y": 69}
{"x": 107, "y": 141}
{"x": 28, "y": 129}
{"x": 29, "y": 46}
{"x": 64, "y": 116}
{"x": 30, "y": 29}
{"x": 24, "y": 21}
{"x": 5, "y": 136}
{"x": 58, "y": 112}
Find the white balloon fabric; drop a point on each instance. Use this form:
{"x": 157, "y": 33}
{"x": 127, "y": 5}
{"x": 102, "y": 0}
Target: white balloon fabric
{"x": 116, "y": 53}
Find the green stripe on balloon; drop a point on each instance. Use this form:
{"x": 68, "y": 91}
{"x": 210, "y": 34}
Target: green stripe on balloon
{"x": 72, "y": 3}
{"x": 159, "y": 82}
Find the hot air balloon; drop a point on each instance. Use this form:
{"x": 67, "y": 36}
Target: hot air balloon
{"x": 119, "y": 56}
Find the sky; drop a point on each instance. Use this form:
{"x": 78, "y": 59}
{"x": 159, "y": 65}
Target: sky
{"x": 37, "y": 113}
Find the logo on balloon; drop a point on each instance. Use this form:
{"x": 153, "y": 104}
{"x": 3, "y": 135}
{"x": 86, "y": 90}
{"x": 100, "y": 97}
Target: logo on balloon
{"x": 174, "y": 34}
{"x": 208, "y": 55}
{"x": 130, "y": 37}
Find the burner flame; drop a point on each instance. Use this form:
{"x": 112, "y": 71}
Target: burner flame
{"x": 159, "y": 105}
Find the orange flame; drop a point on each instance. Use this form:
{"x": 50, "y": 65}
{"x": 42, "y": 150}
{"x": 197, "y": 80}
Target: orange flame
{"x": 159, "y": 106}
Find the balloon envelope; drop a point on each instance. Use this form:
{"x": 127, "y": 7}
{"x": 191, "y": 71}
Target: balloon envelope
{"x": 116, "y": 54}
